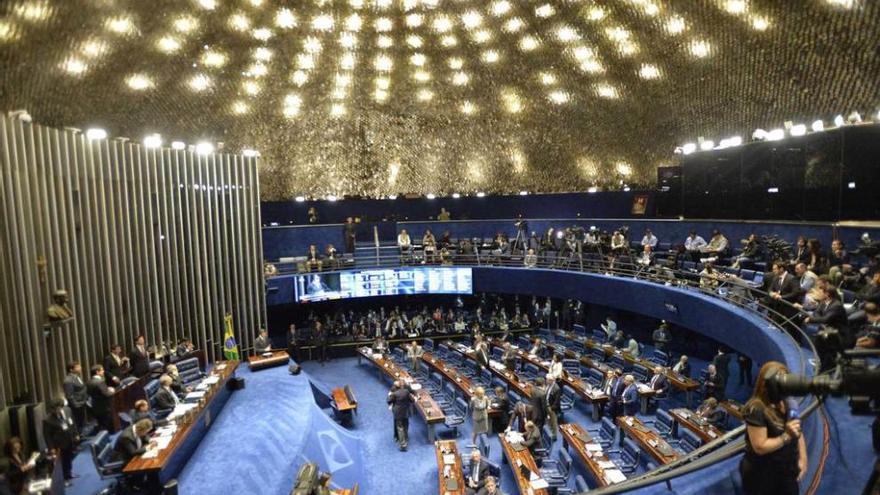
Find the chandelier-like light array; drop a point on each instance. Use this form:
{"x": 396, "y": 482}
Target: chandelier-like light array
{"x": 380, "y": 97}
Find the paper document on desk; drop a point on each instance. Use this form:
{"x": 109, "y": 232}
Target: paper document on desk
{"x": 513, "y": 437}
{"x": 593, "y": 447}
{"x": 448, "y": 458}
{"x": 220, "y": 367}
{"x": 607, "y": 465}
{"x": 181, "y": 409}
{"x": 162, "y": 442}
{"x": 537, "y": 482}
{"x": 194, "y": 395}
{"x": 644, "y": 388}
{"x": 212, "y": 379}
{"x": 203, "y": 385}
{"x": 150, "y": 454}
{"x": 496, "y": 365}
{"x": 614, "y": 476}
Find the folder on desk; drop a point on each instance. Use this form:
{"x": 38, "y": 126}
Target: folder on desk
{"x": 451, "y": 484}
{"x": 194, "y": 395}
{"x": 593, "y": 447}
{"x": 614, "y": 476}
{"x": 537, "y": 482}
{"x": 583, "y": 437}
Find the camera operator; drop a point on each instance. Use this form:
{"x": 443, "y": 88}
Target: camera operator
{"x": 776, "y": 453}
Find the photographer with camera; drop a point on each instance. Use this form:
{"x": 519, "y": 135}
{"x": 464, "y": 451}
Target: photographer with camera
{"x": 776, "y": 453}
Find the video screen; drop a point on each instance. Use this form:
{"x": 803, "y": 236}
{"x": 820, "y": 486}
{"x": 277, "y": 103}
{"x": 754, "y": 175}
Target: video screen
{"x": 391, "y": 282}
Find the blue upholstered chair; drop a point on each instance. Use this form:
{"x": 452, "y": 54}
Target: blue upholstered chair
{"x": 689, "y": 441}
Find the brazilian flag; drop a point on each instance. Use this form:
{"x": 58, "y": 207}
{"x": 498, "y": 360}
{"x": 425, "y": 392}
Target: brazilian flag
{"x": 230, "y": 348}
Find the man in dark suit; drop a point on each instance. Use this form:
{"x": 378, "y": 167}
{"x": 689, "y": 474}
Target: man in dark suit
{"x": 184, "y": 347}
{"x": 538, "y": 401}
{"x": 661, "y": 337}
{"x": 553, "y": 397}
{"x": 713, "y": 386}
{"x": 133, "y": 441}
{"x": 61, "y": 435}
{"x": 100, "y": 394}
{"x": 76, "y": 394}
{"x": 478, "y": 470}
{"x": 783, "y": 290}
{"x": 400, "y": 401}
{"x": 142, "y": 411}
{"x": 349, "y": 235}
{"x": 493, "y": 487}
{"x": 659, "y": 382}
{"x": 830, "y": 312}
{"x": 116, "y": 365}
{"x": 722, "y": 364}
{"x": 500, "y": 403}
{"x": 139, "y": 357}
{"x": 710, "y": 411}
{"x": 262, "y": 343}
{"x": 165, "y": 398}
{"x": 532, "y": 437}
{"x": 522, "y": 414}
{"x": 508, "y": 357}
{"x": 615, "y": 386}
{"x": 630, "y": 396}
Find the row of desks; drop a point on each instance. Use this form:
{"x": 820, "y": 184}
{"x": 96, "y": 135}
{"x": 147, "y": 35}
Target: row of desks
{"x": 687, "y": 418}
{"x": 576, "y": 439}
{"x": 449, "y": 472}
{"x": 585, "y": 391}
{"x": 465, "y": 384}
{"x": 190, "y": 429}
{"x": 427, "y": 407}
{"x": 648, "y": 439}
{"x": 515, "y": 459}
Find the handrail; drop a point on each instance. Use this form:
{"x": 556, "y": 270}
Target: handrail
{"x": 717, "y": 450}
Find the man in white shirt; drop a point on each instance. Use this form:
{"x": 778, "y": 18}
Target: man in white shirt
{"x": 806, "y": 278}
{"x": 610, "y": 327}
{"x": 404, "y": 242}
{"x": 693, "y": 245}
{"x": 531, "y": 259}
{"x": 649, "y": 239}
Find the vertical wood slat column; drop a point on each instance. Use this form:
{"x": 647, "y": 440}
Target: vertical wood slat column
{"x": 164, "y": 242}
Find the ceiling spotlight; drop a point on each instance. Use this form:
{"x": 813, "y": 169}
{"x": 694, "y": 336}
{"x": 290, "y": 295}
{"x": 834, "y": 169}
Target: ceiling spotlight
{"x": 523, "y": 193}
{"x": 153, "y": 141}
{"x": 250, "y": 153}
{"x": 331, "y": 198}
{"x": 688, "y": 148}
{"x": 139, "y": 82}
{"x": 798, "y": 130}
{"x": 392, "y": 196}
{"x": 854, "y": 118}
{"x": 96, "y": 133}
{"x": 204, "y": 148}
{"x": 839, "y": 121}
{"x": 430, "y": 196}
{"x": 456, "y": 195}
{"x": 590, "y": 190}
{"x": 707, "y": 145}
{"x": 817, "y": 126}
{"x": 481, "y": 194}
{"x": 776, "y": 135}
{"x": 299, "y": 199}
{"x": 178, "y": 145}
{"x": 759, "y": 135}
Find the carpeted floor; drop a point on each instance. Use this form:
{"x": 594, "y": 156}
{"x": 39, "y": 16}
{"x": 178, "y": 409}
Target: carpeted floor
{"x": 253, "y": 444}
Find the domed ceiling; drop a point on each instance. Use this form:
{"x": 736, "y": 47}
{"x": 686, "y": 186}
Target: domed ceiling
{"x": 380, "y": 97}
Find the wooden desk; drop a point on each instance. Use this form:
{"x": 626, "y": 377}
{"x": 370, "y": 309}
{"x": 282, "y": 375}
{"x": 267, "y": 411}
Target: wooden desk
{"x": 525, "y": 457}
{"x": 454, "y": 472}
{"x": 260, "y": 362}
{"x": 686, "y": 417}
{"x": 427, "y": 407}
{"x": 650, "y": 441}
{"x": 171, "y": 459}
{"x": 523, "y": 388}
{"x": 124, "y": 398}
{"x": 570, "y": 440}
{"x": 582, "y": 388}
{"x": 680, "y": 382}
{"x": 465, "y": 384}
{"x": 341, "y": 400}
{"x": 733, "y": 408}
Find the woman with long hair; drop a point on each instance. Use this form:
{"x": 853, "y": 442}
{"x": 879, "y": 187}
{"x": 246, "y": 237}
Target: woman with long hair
{"x": 776, "y": 454}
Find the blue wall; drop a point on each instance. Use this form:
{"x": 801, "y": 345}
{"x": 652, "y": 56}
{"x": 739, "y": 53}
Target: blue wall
{"x": 611, "y": 204}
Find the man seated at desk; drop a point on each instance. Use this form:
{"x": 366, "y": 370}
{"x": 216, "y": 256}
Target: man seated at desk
{"x": 142, "y": 411}
{"x": 478, "y": 470}
{"x": 682, "y": 367}
{"x": 177, "y": 385}
{"x": 165, "y": 397}
{"x": 262, "y": 344}
{"x": 492, "y": 487}
{"x": 710, "y": 411}
{"x": 380, "y": 346}
{"x": 713, "y": 385}
{"x": 132, "y": 442}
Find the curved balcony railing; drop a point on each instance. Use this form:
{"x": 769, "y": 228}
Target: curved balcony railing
{"x": 729, "y": 288}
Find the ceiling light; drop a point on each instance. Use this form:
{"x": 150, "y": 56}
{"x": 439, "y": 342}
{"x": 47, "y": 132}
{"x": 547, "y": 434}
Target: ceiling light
{"x": 545, "y": 10}
{"x": 383, "y": 63}
{"x": 96, "y": 133}
{"x": 185, "y": 24}
{"x": 305, "y": 61}
{"x": 456, "y": 195}
{"x": 481, "y": 194}
{"x": 567, "y": 34}
{"x": 798, "y": 130}
{"x": 471, "y": 19}
{"x": 513, "y": 25}
{"x": 606, "y": 91}
{"x": 331, "y": 198}
{"x": 299, "y": 199}
{"x": 558, "y": 97}
{"x": 591, "y": 190}
{"x": 250, "y": 153}
{"x": 528, "y": 43}
{"x": 467, "y": 108}
{"x": 760, "y": 23}
{"x": 490, "y": 56}
{"x": 414, "y": 20}
{"x": 384, "y": 42}
{"x": 707, "y": 145}
{"x": 418, "y": 59}
{"x": 547, "y": 78}
{"x": 204, "y": 148}
{"x": 675, "y": 25}
{"x": 239, "y": 22}
{"x": 337, "y": 110}
{"x": 482, "y": 36}
{"x": 449, "y": 41}
{"x": 817, "y": 126}
{"x": 262, "y": 53}
{"x": 285, "y": 19}
{"x": 258, "y": 70}
{"x": 139, "y": 82}
{"x": 442, "y": 24}
{"x": 688, "y": 148}
{"x": 421, "y": 76}
{"x": 456, "y": 63}
{"x": 424, "y": 95}
{"x": 649, "y": 71}
{"x": 322, "y": 22}
{"x": 759, "y": 135}
{"x": 353, "y": 23}
{"x": 430, "y": 196}
{"x": 239, "y": 107}
{"x": 74, "y": 66}
{"x": 299, "y": 77}
{"x": 380, "y": 95}
{"x": 414, "y": 41}
{"x": 735, "y": 6}
{"x": 120, "y": 25}
{"x": 382, "y": 4}
{"x": 383, "y": 82}
{"x": 93, "y": 48}
{"x": 262, "y": 33}
{"x": 208, "y": 4}
{"x": 383, "y": 24}
{"x": 596, "y": 14}
{"x": 178, "y": 145}
{"x": 347, "y": 61}
{"x": 347, "y": 40}
{"x": 776, "y": 135}
{"x": 500, "y": 8}
{"x": 392, "y": 196}
{"x": 523, "y": 193}
{"x": 212, "y": 58}
{"x": 460, "y": 78}
{"x": 153, "y": 141}
{"x": 168, "y": 44}
{"x": 854, "y": 118}
{"x": 846, "y": 4}
{"x": 839, "y": 121}
{"x": 700, "y": 49}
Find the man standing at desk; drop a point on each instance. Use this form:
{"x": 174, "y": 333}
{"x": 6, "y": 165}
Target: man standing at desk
{"x": 414, "y": 353}
{"x": 400, "y": 401}
{"x": 139, "y": 357}
{"x": 100, "y": 394}
{"x": 630, "y": 396}
{"x": 76, "y": 394}
{"x": 262, "y": 343}
{"x": 62, "y": 436}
